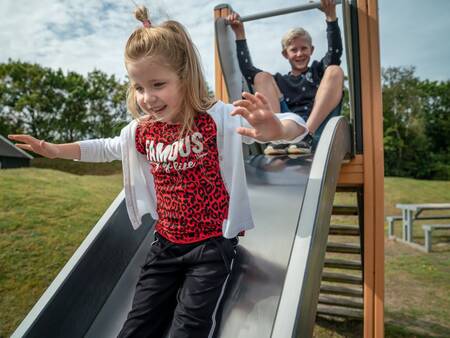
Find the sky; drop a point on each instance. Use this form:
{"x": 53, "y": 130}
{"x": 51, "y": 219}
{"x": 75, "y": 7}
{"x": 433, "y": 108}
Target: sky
{"x": 83, "y": 35}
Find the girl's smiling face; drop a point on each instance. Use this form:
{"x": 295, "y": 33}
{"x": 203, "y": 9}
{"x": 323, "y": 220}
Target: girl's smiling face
{"x": 158, "y": 89}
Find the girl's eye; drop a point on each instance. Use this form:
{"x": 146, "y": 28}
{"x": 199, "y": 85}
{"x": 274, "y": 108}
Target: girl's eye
{"x": 159, "y": 84}
{"x": 139, "y": 89}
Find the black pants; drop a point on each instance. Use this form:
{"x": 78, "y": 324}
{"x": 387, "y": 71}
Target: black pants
{"x": 181, "y": 287}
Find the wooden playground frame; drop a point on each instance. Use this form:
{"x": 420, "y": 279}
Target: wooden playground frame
{"x": 366, "y": 170}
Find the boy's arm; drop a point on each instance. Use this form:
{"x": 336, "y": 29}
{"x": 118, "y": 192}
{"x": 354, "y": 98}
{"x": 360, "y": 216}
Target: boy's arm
{"x": 334, "y": 51}
{"x": 246, "y": 66}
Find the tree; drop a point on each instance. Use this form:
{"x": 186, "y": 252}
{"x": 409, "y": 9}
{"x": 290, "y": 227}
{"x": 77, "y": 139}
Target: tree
{"x": 26, "y": 95}
{"x": 106, "y": 104}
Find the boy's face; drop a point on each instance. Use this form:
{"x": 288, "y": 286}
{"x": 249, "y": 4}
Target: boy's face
{"x": 298, "y": 53}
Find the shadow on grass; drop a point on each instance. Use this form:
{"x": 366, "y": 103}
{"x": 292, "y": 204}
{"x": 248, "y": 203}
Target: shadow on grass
{"x": 399, "y": 324}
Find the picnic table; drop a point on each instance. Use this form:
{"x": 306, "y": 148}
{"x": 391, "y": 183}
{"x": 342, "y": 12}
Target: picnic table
{"x": 411, "y": 212}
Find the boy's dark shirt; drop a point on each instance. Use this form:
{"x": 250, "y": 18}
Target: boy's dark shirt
{"x": 299, "y": 91}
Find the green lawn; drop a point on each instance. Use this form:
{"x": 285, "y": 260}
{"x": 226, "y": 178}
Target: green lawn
{"x": 46, "y": 213}
{"x": 44, "y": 216}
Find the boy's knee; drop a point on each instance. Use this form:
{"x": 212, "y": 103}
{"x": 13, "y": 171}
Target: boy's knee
{"x": 262, "y": 77}
{"x": 334, "y": 72}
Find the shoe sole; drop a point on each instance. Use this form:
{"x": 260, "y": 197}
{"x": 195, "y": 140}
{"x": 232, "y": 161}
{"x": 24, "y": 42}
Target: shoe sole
{"x": 275, "y": 152}
{"x": 299, "y": 151}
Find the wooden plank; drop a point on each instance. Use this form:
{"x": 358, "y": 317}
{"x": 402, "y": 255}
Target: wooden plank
{"x": 342, "y": 264}
{"x": 341, "y": 278}
{"x": 364, "y": 53}
{"x": 343, "y": 248}
{"x": 377, "y": 125}
{"x": 220, "y": 87}
{"x": 217, "y": 68}
{"x": 352, "y": 173}
{"x": 373, "y": 167}
{"x": 340, "y": 301}
{"x": 351, "y": 179}
{"x": 346, "y": 210}
{"x": 324, "y": 310}
{"x": 341, "y": 290}
{"x": 344, "y": 230}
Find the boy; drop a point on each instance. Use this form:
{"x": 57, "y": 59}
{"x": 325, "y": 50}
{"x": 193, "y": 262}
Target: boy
{"x": 313, "y": 92}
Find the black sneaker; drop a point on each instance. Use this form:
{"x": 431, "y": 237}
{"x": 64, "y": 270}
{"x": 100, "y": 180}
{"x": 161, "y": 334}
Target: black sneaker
{"x": 276, "y": 149}
{"x": 303, "y": 147}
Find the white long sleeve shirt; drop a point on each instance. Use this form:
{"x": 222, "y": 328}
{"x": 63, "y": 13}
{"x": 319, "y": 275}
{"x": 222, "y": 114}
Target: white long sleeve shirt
{"x": 140, "y": 195}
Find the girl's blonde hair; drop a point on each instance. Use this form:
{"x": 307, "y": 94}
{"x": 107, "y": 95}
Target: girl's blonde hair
{"x": 292, "y": 34}
{"x": 170, "y": 43}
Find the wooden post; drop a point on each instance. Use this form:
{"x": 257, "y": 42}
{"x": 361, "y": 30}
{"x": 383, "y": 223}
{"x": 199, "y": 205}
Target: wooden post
{"x": 220, "y": 87}
{"x": 373, "y": 166}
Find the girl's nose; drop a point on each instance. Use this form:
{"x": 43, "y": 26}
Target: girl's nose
{"x": 149, "y": 98}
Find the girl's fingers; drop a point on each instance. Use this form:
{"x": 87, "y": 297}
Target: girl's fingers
{"x": 240, "y": 111}
{"x": 246, "y": 132}
{"x": 261, "y": 97}
{"x": 250, "y": 97}
{"x": 24, "y": 146}
{"x": 242, "y": 103}
{"x": 22, "y": 138}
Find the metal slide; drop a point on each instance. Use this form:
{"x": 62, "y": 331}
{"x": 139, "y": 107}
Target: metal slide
{"x": 276, "y": 280}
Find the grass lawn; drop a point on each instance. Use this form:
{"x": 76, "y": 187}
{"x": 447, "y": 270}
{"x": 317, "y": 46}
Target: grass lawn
{"x": 45, "y": 213}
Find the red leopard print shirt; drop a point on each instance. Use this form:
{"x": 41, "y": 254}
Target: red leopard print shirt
{"x": 192, "y": 201}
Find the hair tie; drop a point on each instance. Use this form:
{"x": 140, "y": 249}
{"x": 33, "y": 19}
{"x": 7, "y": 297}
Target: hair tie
{"x": 147, "y": 23}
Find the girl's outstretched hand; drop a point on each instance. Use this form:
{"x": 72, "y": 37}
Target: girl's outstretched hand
{"x": 30, "y": 143}
{"x": 258, "y": 112}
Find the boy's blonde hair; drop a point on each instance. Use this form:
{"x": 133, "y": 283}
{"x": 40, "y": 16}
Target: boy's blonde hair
{"x": 292, "y": 34}
{"x": 170, "y": 43}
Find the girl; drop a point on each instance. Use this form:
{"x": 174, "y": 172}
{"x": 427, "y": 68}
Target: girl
{"x": 182, "y": 163}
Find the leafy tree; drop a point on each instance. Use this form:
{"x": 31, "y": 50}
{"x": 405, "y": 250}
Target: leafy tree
{"x": 27, "y": 97}
{"x": 106, "y": 104}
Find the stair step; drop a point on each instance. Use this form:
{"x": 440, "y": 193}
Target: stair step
{"x": 342, "y": 264}
{"x": 340, "y": 290}
{"x": 342, "y": 188}
{"x": 343, "y": 248}
{"x": 326, "y": 310}
{"x": 339, "y": 301}
{"x": 348, "y": 210}
{"x": 344, "y": 230}
{"x": 341, "y": 278}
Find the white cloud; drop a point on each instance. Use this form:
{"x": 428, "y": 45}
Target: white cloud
{"x": 81, "y": 35}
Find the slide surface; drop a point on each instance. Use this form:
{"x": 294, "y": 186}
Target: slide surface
{"x": 275, "y": 284}
{"x": 276, "y": 278}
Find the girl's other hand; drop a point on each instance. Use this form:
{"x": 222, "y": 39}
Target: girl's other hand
{"x": 258, "y": 112}
{"x": 40, "y": 147}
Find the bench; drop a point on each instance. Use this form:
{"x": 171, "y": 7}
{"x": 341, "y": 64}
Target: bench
{"x": 428, "y": 228}
{"x": 391, "y": 220}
